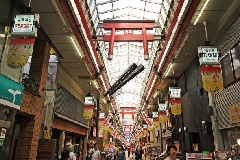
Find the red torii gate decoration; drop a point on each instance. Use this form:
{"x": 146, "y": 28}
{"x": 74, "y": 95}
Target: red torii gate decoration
{"x": 127, "y": 110}
{"x": 128, "y": 25}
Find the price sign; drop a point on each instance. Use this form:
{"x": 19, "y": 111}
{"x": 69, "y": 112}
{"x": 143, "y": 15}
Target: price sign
{"x": 175, "y": 92}
{"x": 25, "y": 25}
{"x": 208, "y": 55}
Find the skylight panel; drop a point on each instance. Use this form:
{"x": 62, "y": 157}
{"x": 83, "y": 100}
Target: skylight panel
{"x": 153, "y": 7}
{"x": 108, "y": 15}
{"x": 104, "y": 7}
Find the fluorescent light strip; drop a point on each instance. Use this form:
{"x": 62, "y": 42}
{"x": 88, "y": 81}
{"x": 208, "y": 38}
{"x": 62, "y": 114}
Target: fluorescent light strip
{"x": 84, "y": 32}
{"x": 168, "y": 70}
{"x": 103, "y": 83}
{"x": 153, "y": 83}
{"x": 95, "y": 84}
{"x": 201, "y": 11}
{"x": 76, "y": 46}
{"x": 173, "y": 32}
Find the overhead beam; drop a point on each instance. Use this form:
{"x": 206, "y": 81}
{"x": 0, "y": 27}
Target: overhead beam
{"x": 135, "y": 38}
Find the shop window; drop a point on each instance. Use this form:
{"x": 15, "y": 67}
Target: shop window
{"x": 236, "y": 60}
{"x": 227, "y": 71}
{"x": 230, "y": 64}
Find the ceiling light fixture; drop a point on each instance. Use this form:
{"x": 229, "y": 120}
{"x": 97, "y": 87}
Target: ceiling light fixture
{"x": 76, "y": 46}
{"x": 201, "y": 11}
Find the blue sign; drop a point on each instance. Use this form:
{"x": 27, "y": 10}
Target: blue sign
{"x": 10, "y": 92}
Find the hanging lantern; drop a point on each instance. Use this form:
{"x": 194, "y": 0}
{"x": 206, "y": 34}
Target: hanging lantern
{"x": 88, "y": 106}
{"x": 163, "y": 116}
{"x": 212, "y": 79}
{"x": 176, "y": 106}
{"x": 19, "y": 51}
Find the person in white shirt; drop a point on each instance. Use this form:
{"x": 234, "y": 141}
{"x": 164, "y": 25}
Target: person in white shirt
{"x": 95, "y": 152}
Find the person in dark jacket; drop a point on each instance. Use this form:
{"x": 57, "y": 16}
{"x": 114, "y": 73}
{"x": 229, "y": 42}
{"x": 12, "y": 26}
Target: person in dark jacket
{"x": 138, "y": 153}
{"x": 65, "y": 154}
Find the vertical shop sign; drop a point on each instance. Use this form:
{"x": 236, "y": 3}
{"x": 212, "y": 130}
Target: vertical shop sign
{"x": 10, "y": 92}
{"x": 212, "y": 79}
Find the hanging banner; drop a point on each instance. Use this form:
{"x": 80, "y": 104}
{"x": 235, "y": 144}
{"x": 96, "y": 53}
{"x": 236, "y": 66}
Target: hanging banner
{"x": 212, "y": 79}
{"x": 208, "y": 55}
{"x": 155, "y": 119}
{"x": 145, "y": 129}
{"x": 176, "y": 106}
{"x": 10, "y": 92}
{"x": 88, "y": 112}
{"x": 163, "y": 118}
{"x": 101, "y": 120}
{"x": 19, "y": 51}
{"x": 175, "y": 92}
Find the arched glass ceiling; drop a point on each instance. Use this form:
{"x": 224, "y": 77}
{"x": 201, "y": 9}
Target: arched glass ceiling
{"x": 126, "y": 53}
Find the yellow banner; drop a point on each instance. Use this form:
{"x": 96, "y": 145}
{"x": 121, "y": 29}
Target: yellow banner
{"x": 212, "y": 79}
{"x": 88, "y": 112}
{"x": 176, "y": 106}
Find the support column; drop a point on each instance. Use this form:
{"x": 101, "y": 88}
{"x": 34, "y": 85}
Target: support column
{"x": 145, "y": 44}
{"x": 85, "y": 147}
{"x": 61, "y": 142}
{"x": 218, "y": 141}
{"x": 111, "y": 45}
{"x": 32, "y": 105}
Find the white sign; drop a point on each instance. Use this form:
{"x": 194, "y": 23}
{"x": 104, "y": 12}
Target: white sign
{"x": 175, "y": 92}
{"x": 145, "y": 126}
{"x": 155, "y": 114}
{"x": 208, "y": 55}
{"x": 25, "y": 25}
{"x": 3, "y": 133}
{"x": 101, "y": 115}
{"x": 89, "y": 100}
{"x": 162, "y": 107}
